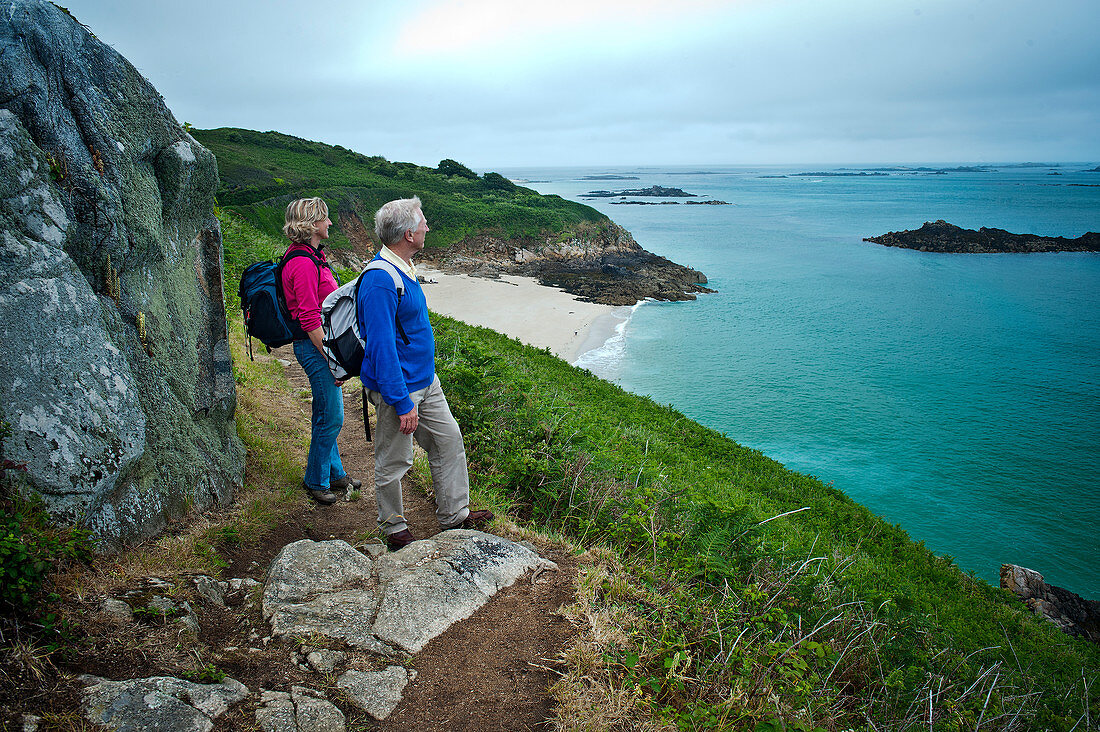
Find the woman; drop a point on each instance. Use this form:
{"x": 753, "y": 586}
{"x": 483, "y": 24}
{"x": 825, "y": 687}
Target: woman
{"x": 307, "y": 281}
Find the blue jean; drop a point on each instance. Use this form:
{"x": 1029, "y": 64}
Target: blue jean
{"x": 323, "y": 463}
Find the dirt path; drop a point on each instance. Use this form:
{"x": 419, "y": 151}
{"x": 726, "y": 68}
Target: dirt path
{"x": 490, "y": 672}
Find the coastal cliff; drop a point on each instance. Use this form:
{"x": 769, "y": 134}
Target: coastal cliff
{"x": 600, "y": 264}
{"x": 483, "y": 225}
{"x": 942, "y": 237}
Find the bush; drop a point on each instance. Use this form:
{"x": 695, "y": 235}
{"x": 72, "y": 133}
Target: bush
{"x": 30, "y": 549}
{"x": 453, "y": 167}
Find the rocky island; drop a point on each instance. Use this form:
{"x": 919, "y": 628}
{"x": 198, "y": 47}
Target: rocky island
{"x": 940, "y": 236}
{"x": 652, "y": 191}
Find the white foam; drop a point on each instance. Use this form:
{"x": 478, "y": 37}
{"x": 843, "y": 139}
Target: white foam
{"x": 605, "y": 359}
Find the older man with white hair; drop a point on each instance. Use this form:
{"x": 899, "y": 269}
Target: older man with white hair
{"x": 399, "y": 373}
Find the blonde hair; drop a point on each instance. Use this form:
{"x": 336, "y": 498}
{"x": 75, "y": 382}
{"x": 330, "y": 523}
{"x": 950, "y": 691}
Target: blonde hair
{"x": 395, "y": 218}
{"x": 301, "y": 218}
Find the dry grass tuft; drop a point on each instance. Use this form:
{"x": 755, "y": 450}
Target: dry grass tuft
{"x": 590, "y": 695}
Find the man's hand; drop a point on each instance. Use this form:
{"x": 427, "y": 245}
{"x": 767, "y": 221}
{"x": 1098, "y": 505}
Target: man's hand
{"x": 408, "y": 422}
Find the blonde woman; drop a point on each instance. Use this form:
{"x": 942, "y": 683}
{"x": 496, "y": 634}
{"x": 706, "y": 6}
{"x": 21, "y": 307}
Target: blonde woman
{"x": 307, "y": 279}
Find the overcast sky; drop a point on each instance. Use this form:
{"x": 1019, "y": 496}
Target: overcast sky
{"x": 497, "y": 83}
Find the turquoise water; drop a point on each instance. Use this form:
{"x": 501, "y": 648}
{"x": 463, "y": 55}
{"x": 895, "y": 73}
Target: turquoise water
{"x": 955, "y": 395}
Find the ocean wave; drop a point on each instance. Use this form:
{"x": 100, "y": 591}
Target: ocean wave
{"x": 605, "y": 360}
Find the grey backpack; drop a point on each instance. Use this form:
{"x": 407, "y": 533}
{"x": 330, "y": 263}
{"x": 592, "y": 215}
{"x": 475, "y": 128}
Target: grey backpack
{"x": 340, "y": 321}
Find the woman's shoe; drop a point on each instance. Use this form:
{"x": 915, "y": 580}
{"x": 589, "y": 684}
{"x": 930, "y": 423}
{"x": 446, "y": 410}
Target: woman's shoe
{"x": 342, "y": 484}
{"x": 324, "y": 498}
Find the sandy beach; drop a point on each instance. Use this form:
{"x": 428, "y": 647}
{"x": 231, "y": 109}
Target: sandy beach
{"x": 520, "y": 307}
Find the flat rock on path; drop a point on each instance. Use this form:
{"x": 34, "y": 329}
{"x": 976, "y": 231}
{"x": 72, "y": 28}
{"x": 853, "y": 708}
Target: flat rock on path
{"x": 398, "y": 602}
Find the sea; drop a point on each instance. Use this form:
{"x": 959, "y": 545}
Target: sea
{"x": 957, "y": 395}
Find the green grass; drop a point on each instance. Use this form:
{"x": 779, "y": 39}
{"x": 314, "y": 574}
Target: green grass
{"x": 842, "y": 617}
{"x": 261, "y": 172}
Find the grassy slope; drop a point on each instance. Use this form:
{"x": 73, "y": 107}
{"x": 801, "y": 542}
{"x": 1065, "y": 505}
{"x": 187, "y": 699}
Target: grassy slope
{"x": 840, "y": 620}
{"x": 263, "y": 171}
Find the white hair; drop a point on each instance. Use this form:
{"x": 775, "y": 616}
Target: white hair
{"x": 397, "y": 217}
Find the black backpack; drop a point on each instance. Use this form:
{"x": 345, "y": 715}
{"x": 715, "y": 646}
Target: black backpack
{"x": 263, "y": 302}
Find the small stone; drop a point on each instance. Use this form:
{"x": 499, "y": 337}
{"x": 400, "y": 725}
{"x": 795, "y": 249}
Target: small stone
{"x": 31, "y": 722}
{"x": 117, "y": 609}
{"x": 376, "y": 692}
{"x": 210, "y": 589}
{"x": 375, "y": 550}
{"x": 325, "y": 661}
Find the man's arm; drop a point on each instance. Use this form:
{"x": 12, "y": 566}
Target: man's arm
{"x": 377, "y": 306}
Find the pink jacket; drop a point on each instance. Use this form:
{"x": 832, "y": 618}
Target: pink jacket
{"x": 304, "y": 293}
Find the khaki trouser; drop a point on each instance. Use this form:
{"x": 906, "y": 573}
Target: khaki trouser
{"x": 438, "y": 433}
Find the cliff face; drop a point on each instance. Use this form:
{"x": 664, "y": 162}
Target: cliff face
{"x": 116, "y": 381}
{"x": 600, "y": 263}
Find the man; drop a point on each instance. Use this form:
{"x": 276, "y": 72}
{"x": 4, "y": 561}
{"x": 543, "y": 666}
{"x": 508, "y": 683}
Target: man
{"x": 399, "y": 372}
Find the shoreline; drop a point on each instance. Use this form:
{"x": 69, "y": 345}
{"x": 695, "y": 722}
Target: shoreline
{"x": 520, "y": 307}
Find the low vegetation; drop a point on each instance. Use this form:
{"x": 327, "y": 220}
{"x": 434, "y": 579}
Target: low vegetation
{"x": 261, "y": 172}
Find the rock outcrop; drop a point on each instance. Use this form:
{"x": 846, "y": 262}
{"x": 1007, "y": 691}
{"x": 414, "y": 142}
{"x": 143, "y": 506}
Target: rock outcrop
{"x": 396, "y": 603}
{"x": 943, "y": 237}
{"x": 602, "y": 265}
{"x": 116, "y": 380}
{"x": 159, "y": 703}
{"x": 389, "y": 606}
{"x": 1072, "y": 613}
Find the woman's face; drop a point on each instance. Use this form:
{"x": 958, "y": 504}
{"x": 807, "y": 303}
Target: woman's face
{"x": 320, "y": 228}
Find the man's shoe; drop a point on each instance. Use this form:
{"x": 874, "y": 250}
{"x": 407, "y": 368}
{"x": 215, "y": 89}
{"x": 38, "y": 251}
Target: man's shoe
{"x": 342, "y": 484}
{"x": 475, "y": 520}
{"x": 324, "y": 498}
{"x": 399, "y": 539}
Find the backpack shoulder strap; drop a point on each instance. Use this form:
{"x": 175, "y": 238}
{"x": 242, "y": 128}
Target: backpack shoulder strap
{"x": 389, "y": 269}
{"x": 398, "y": 283}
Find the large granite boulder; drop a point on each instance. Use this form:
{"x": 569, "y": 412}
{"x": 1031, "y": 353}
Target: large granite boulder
{"x": 116, "y": 382}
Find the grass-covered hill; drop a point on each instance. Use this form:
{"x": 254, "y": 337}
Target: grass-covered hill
{"x": 261, "y": 172}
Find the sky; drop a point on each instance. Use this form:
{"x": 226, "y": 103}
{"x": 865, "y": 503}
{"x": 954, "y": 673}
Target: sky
{"x": 514, "y": 83}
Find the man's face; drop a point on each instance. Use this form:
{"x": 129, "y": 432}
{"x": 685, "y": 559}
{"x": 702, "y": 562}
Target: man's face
{"x": 418, "y": 235}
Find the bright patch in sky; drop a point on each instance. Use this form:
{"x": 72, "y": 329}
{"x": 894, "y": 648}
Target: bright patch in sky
{"x": 454, "y": 26}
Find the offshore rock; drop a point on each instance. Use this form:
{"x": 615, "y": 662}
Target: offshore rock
{"x": 599, "y": 264}
{"x": 116, "y": 380}
{"x": 1072, "y": 613}
{"x": 943, "y": 237}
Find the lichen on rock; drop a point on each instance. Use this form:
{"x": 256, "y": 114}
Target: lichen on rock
{"x": 116, "y": 381}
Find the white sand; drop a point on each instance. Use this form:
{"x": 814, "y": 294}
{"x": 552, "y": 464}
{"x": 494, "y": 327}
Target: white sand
{"x": 519, "y": 307}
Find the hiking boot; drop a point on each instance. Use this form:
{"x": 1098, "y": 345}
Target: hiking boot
{"x": 399, "y": 539}
{"x": 323, "y": 498}
{"x": 343, "y": 484}
{"x": 475, "y": 520}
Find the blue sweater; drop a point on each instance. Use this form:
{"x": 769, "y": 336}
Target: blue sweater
{"x": 390, "y": 366}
